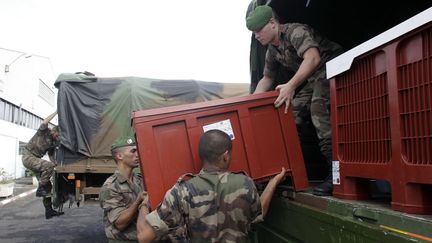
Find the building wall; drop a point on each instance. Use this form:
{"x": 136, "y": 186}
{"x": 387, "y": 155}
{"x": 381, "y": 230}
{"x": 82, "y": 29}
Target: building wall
{"x": 10, "y": 137}
{"x": 21, "y": 81}
{"x": 27, "y": 96}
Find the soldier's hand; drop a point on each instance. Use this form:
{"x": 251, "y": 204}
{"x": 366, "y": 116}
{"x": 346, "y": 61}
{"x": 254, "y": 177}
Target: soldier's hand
{"x": 280, "y": 177}
{"x": 142, "y": 198}
{"x": 143, "y": 202}
{"x": 286, "y": 94}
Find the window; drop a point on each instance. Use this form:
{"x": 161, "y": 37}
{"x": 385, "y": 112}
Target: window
{"x": 46, "y": 93}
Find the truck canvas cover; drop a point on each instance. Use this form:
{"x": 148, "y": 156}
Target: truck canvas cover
{"x": 93, "y": 111}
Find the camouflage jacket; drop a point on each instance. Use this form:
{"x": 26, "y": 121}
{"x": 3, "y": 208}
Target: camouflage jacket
{"x": 117, "y": 195}
{"x": 295, "y": 39}
{"x": 215, "y": 206}
{"x": 41, "y": 143}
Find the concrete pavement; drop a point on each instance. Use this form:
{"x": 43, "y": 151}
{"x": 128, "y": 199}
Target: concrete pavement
{"x": 22, "y": 188}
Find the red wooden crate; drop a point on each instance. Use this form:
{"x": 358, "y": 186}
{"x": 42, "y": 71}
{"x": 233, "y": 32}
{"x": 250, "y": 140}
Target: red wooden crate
{"x": 381, "y": 121}
{"x": 265, "y": 139}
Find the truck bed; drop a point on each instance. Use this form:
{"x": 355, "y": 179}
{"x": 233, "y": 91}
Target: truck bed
{"x": 303, "y": 217}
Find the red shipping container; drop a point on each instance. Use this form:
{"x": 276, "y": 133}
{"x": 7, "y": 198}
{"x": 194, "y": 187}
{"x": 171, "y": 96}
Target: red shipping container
{"x": 264, "y": 140}
{"x": 381, "y": 122}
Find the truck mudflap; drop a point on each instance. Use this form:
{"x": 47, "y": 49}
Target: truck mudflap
{"x": 308, "y": 218}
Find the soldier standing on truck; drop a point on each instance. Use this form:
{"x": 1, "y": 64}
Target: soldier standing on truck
{"x": 44, "y": 141}
{"x": 215, "y": 205}
{"x": 302, "y": 50}
{"x": 122, "y": 194}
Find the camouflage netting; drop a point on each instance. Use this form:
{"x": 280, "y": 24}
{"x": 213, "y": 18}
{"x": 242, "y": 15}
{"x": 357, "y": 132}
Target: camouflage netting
{"x": 93, "y": 111}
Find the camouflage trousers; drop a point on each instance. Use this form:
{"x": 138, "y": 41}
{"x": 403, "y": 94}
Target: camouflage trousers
{"x": 41, "y": 167}
{"x": 312, "y": 102}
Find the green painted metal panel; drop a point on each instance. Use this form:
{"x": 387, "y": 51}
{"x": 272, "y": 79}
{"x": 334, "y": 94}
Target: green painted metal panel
{"x": 332, "y": 220}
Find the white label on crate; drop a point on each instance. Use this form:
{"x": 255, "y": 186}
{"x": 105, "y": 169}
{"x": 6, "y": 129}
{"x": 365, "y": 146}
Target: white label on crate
{"x": 224, "y": 126}
{"x": 336, "y": 172}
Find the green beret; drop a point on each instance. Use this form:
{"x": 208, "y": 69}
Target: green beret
{"x": 123, "y": 142}
{"x": 259, "y": 17}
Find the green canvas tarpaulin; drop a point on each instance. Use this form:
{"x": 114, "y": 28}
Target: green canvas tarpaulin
{"x": 93, "y": 111}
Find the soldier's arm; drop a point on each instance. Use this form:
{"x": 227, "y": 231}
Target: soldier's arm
{"x": 311, "y": 60}
{"x": 126, "y": 217}
{"x": 145, "y": 231}
{"x": 159, "y": 222}
{"x": 264, "y": 85}
{"x": 267, "y": 194}
{"x": 49, "y": 118}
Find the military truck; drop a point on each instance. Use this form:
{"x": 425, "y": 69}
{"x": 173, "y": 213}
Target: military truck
{"x": 93, "y": 111}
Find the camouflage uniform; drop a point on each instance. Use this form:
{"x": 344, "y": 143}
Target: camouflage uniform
{"x": 117, "y": 195}
{"x": 215, "y": 206}
{"x": 312, "y": 97}
{"x": 41, "y": 143}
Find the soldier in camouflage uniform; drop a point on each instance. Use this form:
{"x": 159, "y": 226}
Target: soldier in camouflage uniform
{"x": 302, "y": 50}
{"x": 122, "y": 194}
{"x": 44, "y": 141}
{"x": 215, "y": 205}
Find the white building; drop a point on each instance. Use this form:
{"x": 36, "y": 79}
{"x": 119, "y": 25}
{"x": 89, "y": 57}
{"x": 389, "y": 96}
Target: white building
{"x": 27, "y": 96}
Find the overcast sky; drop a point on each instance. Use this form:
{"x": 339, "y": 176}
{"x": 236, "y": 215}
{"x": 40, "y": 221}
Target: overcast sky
{"x": 164, "y": 39}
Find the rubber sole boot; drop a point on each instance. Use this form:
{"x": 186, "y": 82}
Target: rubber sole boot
{"x": 49, "y": 213}
{"x": 325, "y": 188}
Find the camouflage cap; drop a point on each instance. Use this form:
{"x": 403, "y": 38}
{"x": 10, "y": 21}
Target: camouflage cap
{"x": 259, "y": 17}
{"x": 123, "y": 142}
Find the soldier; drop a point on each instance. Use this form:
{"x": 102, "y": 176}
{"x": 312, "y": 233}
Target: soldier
{"x": 122, "y": 194}
{"x": 303, "y": 51}
{"x": 215, "y": 205}
{"x": 44, "y": 141}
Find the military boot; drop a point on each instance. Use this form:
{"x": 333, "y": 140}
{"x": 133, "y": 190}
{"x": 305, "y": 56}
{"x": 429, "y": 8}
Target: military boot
{"x": 43, "y": 190}
{"x": 49, "y": 211}
{"x": 326, "y": 187}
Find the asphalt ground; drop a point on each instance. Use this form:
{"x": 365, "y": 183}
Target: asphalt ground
{"x": 22, "y": 219}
